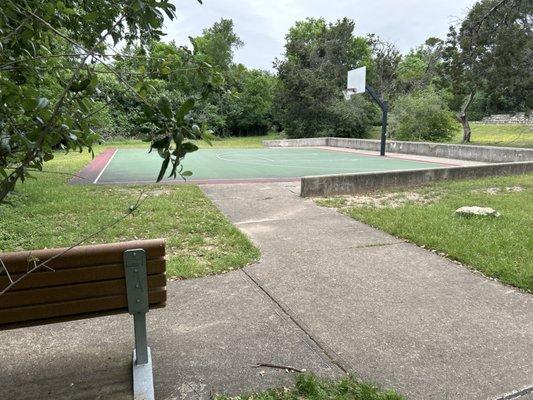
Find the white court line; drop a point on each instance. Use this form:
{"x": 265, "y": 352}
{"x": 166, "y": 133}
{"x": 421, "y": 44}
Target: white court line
{"x": 222, "y": 157}
{"x": 105, "y": 166}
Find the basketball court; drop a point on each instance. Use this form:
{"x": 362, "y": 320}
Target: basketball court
{"x": 127, "y": 166}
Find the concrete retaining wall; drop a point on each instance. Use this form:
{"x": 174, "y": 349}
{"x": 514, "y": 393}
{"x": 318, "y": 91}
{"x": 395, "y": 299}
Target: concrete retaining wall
{"x": 455, "y": 151}
{"x": 491, "y": 154}
{"x": 346, "y": 184}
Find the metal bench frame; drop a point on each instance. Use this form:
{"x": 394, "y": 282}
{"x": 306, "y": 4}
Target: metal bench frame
{"x": 137, "y": 294}
{"x": 137, "y": 298}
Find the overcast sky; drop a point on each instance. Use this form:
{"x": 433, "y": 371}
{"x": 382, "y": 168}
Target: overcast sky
{"x": 263, "y": 24}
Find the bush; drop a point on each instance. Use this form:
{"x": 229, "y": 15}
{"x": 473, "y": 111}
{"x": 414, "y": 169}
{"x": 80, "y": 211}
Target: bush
{"x": 350, "y": 119}
{"x": 422, "y": 116}
{"x": 340, "y": 118}
{"x": 250, "y": 109}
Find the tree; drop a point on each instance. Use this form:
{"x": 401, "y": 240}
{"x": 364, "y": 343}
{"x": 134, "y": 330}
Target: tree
{"x": 50, "y": 50}
{"x": 216, "y": 47}
{"x": 218, "y": 43}
{"x": 422, "y": 115}
{"x": 491, "y": 51}
{"x": 383, "y": 72}
{"x": 250, "y": 107}
{"x": 230, "y": 98}
{"x": 313, "y": 74}
{"x": 418, "y": 69}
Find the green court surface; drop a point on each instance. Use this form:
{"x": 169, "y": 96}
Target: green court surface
{"x": 137, "y": 166}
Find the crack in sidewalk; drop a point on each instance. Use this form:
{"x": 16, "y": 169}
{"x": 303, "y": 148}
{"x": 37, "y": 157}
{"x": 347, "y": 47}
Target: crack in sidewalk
{"x": 332, "y": 356}
{"x": 359, "y": 246}
{"x": 517, "y": 393}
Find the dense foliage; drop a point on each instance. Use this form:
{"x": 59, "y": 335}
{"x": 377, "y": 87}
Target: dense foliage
{"x": 424, "y": 116}
{"x": 234, "y": 101}
{"x": 491, "y": 52}
{"x": 311, "y": 79}
{"x": 51, "y": 53}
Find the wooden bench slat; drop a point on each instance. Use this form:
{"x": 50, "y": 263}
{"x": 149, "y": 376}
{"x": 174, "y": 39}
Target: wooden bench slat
{"x": 41, "y": 312}
{"x": 56, "y": 294}
{"x": 99, "y": 254}
{"x": 92, "y": 273}
{"x": 87, "y": 281}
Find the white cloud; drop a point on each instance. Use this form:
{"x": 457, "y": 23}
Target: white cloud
{"x": 263, "y": 24}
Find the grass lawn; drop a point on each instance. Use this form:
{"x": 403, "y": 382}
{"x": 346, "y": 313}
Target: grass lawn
{"x": 498, "y": 247}
{"x": 489, "y": 135}
{"x": 499, "y": 135}
{"x": 242, "y": 142}
{"x": 312, "y": 388}
{"x": 49, "y": 213}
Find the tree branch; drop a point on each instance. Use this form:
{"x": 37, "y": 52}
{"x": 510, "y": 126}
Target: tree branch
{"x": 491, "y": 12}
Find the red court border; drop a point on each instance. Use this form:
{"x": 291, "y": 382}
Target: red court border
{"x": 88, "y": 174}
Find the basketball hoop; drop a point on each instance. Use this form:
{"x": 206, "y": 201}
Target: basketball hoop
{"x": 348, "y": 93}
{"x": 356, "y": 82}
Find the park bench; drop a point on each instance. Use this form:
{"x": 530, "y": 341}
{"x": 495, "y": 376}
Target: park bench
{"x": 85, "y": 282}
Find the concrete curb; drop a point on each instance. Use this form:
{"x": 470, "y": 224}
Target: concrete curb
{"x": 343, "y": 184}
{"x": 504, "y": 161}
{"x": 491, "y": 154}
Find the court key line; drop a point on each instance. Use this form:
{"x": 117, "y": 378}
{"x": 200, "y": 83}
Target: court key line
{"x": 105, "y": 166}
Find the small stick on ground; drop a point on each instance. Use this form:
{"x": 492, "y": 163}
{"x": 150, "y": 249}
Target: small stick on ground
{"x": 285, "y": 367}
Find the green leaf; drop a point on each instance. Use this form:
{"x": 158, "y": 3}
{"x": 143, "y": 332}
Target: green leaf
{"x": 92, "y": 16}
{"x": 189, "y": 147}
{"x": 207, "y": 136}
{"x": 77, "y": 87}
{"x": 160, "y": 143}
{"x": 163, "y": 169}
{"x": 164, "y": 106}
{"x": 184, "y": 109}
{"x": 186, "y": 173}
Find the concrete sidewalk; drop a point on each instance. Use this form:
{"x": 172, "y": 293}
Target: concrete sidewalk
{"x": 329, "y": 295}
{"x": 206, "y": 341}
{"x": 386, "y": 310}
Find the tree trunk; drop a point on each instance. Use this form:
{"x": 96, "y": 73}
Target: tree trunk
{"x": 467, "y": 132}
{"x": 463, "y": 119}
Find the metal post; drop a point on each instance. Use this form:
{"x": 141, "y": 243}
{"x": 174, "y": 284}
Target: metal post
{"x": 141, "y": 344}
{"x": 384, "y": 127}
{"x": 384, "y": 105}
{"x": 137, "y": 293}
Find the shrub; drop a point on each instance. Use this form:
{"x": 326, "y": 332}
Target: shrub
{"x": 249, "y": 111}
{"x": 422, "y": 116}
{"x": 350, "y": 119}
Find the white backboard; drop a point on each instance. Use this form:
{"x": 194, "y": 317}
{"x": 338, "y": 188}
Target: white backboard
{"x": 357, "y": 80}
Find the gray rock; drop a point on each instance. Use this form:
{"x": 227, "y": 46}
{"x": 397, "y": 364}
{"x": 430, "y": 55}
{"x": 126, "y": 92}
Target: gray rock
{"x": 475, "y": 210}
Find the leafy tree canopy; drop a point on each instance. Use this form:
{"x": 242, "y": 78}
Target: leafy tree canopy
{"x": 313, "y": 74}
{"x": 491, "y": 51}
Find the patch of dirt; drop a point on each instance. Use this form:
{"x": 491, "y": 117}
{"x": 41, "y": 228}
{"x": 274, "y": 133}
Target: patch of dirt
{"x": 158, "y": 192}
{"x": 389, "y": 200}
{"x": 149, "y": 193}
{"x": 497, "y": 190}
